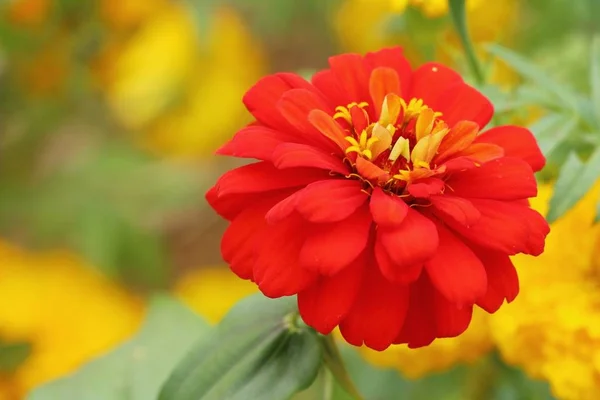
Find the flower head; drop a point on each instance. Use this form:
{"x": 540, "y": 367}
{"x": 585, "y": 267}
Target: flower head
{"x": 377, "y": 200}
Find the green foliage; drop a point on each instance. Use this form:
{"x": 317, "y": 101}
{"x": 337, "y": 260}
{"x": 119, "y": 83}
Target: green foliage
{"x": 488, "y": 378}
{"x": 595, "y": 79}
{"x": 135, "y": 370}
{"x": 574, "y": 181}
{"x": 106, "y": 202}
{"x": 570, "y": 130}
{"x": 258, "y": 351}
{"x": 12, "y": 355}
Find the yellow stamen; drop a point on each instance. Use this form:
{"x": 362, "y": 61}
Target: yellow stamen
{"x": 425, "y": 122}
{"x": 401, "y": 148}
{"x": 390, "y": 110}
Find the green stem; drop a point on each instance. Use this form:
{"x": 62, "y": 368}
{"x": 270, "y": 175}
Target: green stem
{"x": 459, "y": 17}
{"x": 335, "y": 364}
{"x": 327, "y": 384}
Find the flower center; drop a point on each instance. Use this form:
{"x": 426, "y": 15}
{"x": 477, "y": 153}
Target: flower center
{"x": 399, "y": 147}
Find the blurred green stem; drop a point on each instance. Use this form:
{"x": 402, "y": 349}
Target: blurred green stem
{"x": 459, "y": 17}
{"x": 336, "y": 368}
{"x": 328, "y": 384}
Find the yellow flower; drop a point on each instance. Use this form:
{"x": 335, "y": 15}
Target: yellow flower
{"x": 552, "y": 329}
{"x": 180, "y": 85}
{"x": 153, "y": 67}
{"x": 441, "y": 355}
{"x": 126, "y": 14}
{"x": 67, "y": 311}
{"x": 361, "y": 27}
{"x": 212, "y": 291}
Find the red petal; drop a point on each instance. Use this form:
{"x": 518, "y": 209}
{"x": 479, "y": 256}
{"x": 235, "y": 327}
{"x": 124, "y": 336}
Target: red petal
{"x": 419, "y": 327}
{"x": 263, "y": 176}
{"x": 507, "y": 178}
{"x": 450, "y": 320}
{"x": 424, "y": 188}
{"x": 463, "y": 102}
{"x": 481, "y": 152}
{"x": 393, "y": 272}
{"x": 392, "y": 58}
{"x": 378, "y": 313}
{"x": 330, "y": 201}
{"x": 456, "y": 271}
{"x": 330, "y": 247}
{"x": 459, "y": 138}
{"x": 326, "y": 82}
{"x": 507, "y": 227}
{"x": 387, "y": 210}
{"x": 283, "y": 209}
{"x": 503, "y": 281}
{"x": 350, "y": 72}
{"x": 262, "y": 98}
{"x": 459, "y": 164}
{"x": 296, "y": 105}
{"x": 238, "y": 245}
{"x": 430, "y": 80}
{"x": 277, "y": 271}
{"x": 455, "y": 208}
{"x": 517, "y": 142}
{"x": 229, "y": 206}
{"x": 253, "y": 142}
{"x": 290, "y": 155}
{"x": 328, "y": 127}
{"x": 325, "y": 303}
{"x": 382, "y": 82}
{"x": 411, "y": 243}
{"x": 370, "y": 171}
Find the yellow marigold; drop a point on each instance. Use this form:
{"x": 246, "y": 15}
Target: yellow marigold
{"x": 441, "y": 355}
{"x": 124, "y": 14}
{"x": 212, "y": 291}
{"x": 361, "y": 27}
{"x": 66, "y": 310}
{"x": 158, "y": 82}
{"x": 552, "y": 329}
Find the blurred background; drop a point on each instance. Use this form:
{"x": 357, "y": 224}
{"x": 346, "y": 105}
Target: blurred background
{"x": 110, "y": 111}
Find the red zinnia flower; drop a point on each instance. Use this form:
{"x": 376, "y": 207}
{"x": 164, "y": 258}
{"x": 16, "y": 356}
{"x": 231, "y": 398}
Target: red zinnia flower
{"x": 377, "y": 201}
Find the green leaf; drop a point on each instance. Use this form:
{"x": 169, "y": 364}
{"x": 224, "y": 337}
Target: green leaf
{"x": 574, "y": 181}
{"x": 597, "y": 219}
{"x": 135, "y": 370}
{"x": 595, "y": 78}
{"x": 12, "y": 355}
{"x": 257, "y": 352}
{"x": 532, "y": 72}
{"x": 552, "y": 130}
{"x": 335, "y": 363}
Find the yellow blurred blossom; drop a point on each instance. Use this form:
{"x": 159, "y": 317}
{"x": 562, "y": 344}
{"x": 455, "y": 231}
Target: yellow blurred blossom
{"x": 361, "y": 27}
{"x": 441, "y": 355}
{"x": 212, "y": 291}
{"x": 179, "y": 85}
{"x": 552, "y": 329}
{"x": 127, "y": 14}
{"x": 67, "y": 311}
